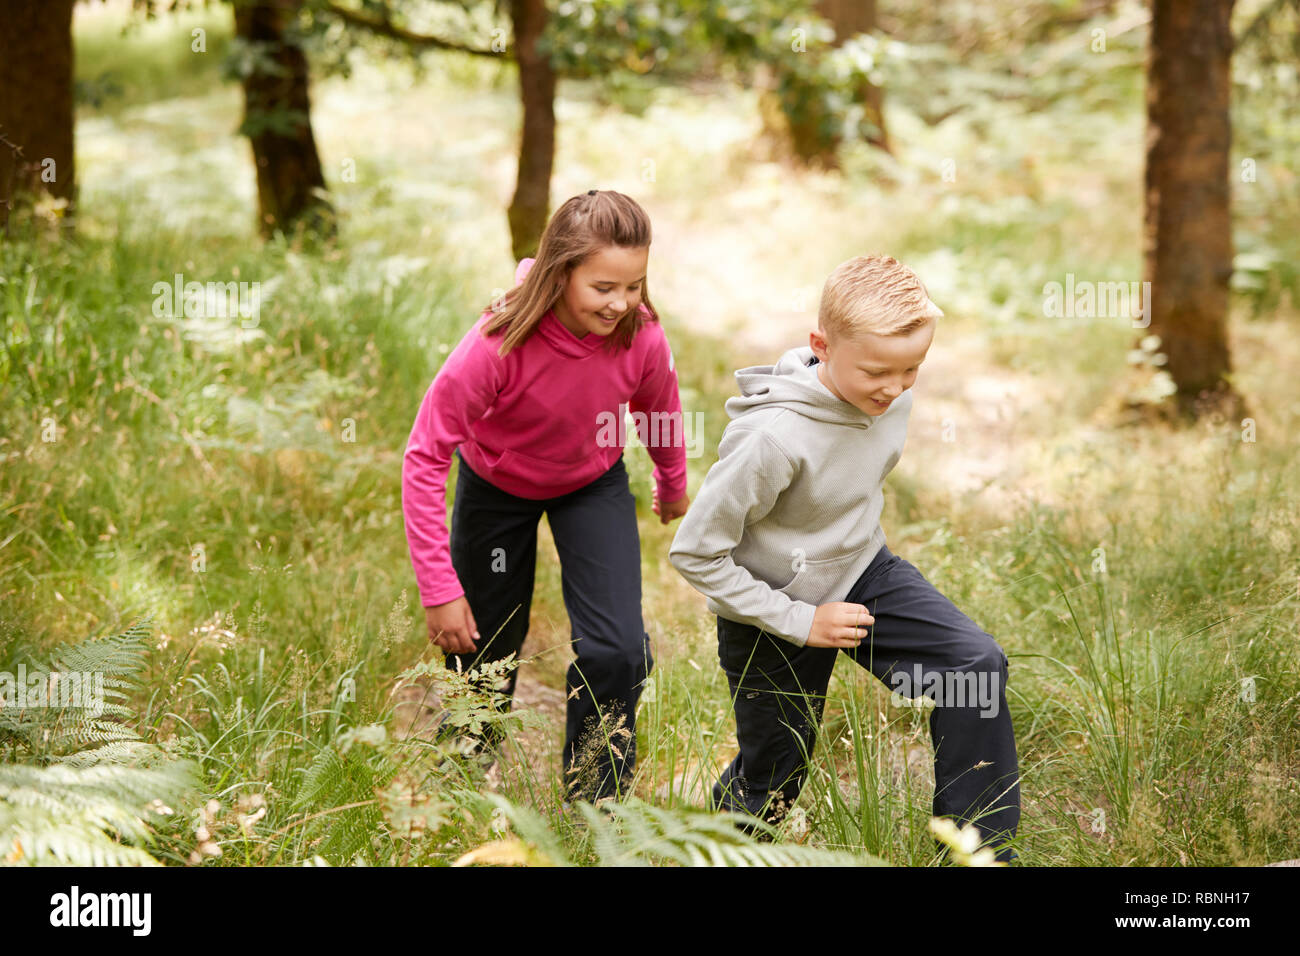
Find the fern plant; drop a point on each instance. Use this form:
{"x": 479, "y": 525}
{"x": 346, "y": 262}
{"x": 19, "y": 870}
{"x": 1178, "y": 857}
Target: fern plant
{"x": 60, "y": 723}
{"x": 77, "y": 784}
{"x": 634, "y": 833}
{"x": 338, "y": 787}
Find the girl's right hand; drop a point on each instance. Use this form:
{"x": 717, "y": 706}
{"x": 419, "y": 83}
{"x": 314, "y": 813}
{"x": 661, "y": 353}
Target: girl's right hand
{"x": 452, "y": 627}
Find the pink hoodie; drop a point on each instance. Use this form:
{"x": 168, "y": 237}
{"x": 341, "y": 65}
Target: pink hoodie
{"x": 529, "y": 423}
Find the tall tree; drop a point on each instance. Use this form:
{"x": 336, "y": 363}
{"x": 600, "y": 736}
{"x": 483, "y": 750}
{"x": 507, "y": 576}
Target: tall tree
{"x": 530, "y": 205}
{"x": 36, "y": 102}
{"x": 849, "y": 18}
{"x": 291, "y": 188}
{"x": 804, "y": 97}
{"x": 1188, "y": 226}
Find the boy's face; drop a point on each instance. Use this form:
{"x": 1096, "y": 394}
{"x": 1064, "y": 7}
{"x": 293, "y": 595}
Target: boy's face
{"x": 607, "y": 284}
{"x": 870, "y": 371}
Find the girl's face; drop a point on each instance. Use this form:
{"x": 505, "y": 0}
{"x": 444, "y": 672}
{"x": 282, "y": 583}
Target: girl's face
{"x": 602, "y": 290}
{"x": 869, "y": 374}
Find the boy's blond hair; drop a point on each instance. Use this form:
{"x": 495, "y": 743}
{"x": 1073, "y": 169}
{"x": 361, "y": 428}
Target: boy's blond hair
{"x": 876, "y": 294}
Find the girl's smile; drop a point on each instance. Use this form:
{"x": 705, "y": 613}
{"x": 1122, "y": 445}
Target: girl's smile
{"x": 602, "y": 290}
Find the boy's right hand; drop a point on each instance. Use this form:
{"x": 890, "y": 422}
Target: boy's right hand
{"x": 836, "y": 625}
{"x": 452, "y": 627}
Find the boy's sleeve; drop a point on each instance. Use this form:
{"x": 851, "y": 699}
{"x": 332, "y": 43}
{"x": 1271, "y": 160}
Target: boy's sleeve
{"x": 659, "y": 399}
{"x": 462, "y": 392}
{"x": 741, "y": 488}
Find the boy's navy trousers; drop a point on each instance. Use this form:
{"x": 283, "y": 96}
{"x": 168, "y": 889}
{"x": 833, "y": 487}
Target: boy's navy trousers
{"x": 920, "y": 644}
{"x": 494, "y": 552}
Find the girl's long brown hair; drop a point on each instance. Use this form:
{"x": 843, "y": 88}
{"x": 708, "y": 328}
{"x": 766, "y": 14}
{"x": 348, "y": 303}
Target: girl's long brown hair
{"x": 582, "y": 226}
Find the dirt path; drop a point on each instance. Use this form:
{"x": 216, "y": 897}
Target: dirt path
{"x": 417, "y": 710}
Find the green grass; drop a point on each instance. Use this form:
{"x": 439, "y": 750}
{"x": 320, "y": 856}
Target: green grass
{"x": 158, "y": 466}
{"x": 128, "y": 62}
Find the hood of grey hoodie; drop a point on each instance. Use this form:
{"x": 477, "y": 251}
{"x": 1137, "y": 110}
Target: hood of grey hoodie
{"x": 789, "y": 516}
{"x": 792, "y": 383}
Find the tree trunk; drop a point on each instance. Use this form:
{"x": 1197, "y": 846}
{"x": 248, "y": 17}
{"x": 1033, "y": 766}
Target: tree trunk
{"x": 36, "y": 103}
{"x": 851, "y": 17}
{"x": 793, "y": 112}
{"x": 1188, "y": 227}
{"x": 531, "y": 203}
{"x": 277, "y": 122}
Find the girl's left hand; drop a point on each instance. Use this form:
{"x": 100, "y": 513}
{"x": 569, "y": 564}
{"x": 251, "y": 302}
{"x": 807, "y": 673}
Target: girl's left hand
{"x": 668, "y": 510}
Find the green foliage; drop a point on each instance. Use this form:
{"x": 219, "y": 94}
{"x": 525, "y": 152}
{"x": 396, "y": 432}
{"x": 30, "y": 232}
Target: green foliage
{"x": 123, "y": 66}
{"x": 245, "y": 58}
{"x": 83, "y": 688}
{"x": 342, "y": 776}
{"x": 88, "y": 787}
{"x": 468, "y": 700}
{"x": 1266, "y": 81}
{"x": 373, "y": 791}
{"x": 635, "y": 833}
{"x": 335, "y": 788}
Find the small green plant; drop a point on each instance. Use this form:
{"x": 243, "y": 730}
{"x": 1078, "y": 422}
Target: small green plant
{"x": 333, "y": 786}
{"x": 635, "y": 833}
{"x": 78, "y": 785}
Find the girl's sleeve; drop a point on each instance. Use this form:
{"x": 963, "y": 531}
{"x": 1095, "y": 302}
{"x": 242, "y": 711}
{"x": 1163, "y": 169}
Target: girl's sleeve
{"x": 462, "y": 392}
{"x": 658, "y": 398}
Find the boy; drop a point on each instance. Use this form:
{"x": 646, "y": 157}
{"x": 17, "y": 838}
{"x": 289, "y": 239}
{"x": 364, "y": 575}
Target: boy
{"x": 785, "y": 541}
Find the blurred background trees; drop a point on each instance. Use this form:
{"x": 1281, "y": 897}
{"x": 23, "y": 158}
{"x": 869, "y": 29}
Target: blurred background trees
{"x": 824, "y": 67}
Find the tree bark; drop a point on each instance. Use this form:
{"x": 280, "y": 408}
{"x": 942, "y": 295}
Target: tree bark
{"x": 36, "y": 103}
{"x": 851, "y": 17}
{"x": 1188, "y": 225}
{"x": 792, "y": 109}
{"x": 531, "y": 203}
{"x": 277, "y": 121}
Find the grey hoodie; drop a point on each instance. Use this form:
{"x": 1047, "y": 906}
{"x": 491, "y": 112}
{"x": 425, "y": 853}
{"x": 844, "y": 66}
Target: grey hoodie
{"x": 788, "y": 518}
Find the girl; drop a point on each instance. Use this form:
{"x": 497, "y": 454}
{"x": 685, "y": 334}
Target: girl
{"x": 529, "y": 400}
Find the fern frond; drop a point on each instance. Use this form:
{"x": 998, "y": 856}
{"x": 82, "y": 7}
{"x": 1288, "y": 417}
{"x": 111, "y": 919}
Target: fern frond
{"x": 116, "y": 656}
{"x": 104, "y": 669}
{"x": 78, "y": 814}
{"x": 134, "y": 752}
{"x": 335, "y": 779}
{"x": 37, "y": 841}
{"x": 85, "y": 797}
{"x": 532, "y": 828}
{"x": 634, "y": 833}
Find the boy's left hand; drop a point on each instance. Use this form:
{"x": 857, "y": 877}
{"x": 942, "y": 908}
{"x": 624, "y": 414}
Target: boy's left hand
{"x": 668, "y": 510}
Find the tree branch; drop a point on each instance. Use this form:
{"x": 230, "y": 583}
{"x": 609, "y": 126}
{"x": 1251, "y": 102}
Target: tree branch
{"x": 386, "y": 28}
